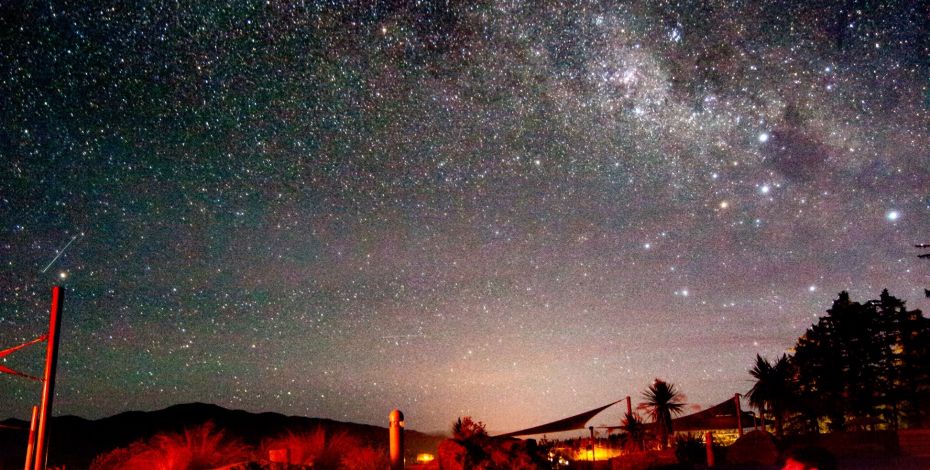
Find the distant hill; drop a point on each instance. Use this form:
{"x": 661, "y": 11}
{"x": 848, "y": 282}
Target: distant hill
{"x": 75, "y": 441}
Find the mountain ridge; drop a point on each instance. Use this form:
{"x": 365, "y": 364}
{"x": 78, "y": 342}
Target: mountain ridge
{"x": 75, "y": 441}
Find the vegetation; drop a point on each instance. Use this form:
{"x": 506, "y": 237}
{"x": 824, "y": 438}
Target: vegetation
{"x": 772, "y": 392}
{"x": 862, "y": 366}
{"x": 205, "y": 447}
{"x": 202, "y": 447}
{"x": 466, "y": 429}
{"x": 691, "y": 450}
{"x": 634, "y": 432}
{"x": 472, "y": 437}
{"x": 325, "y": 450}
{"x": 662, "y": 401}
{"x": 472, "y": 448}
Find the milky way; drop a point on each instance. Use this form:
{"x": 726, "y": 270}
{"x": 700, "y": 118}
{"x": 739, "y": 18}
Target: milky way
{"x": 514, "y": 211}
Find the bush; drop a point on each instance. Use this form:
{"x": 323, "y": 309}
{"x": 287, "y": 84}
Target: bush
{"x": 197, "y": 448}
{"x": 689, "y": 449}
{"x": 338, "y": 450}
{"x": 365, "y": 458}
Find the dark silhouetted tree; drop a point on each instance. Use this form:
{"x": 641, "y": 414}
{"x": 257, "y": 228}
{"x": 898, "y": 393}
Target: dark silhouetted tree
{"x": 464, "y": 429}
{"x": 473, "y": 437}
{"x": 864, "y": 365}
{"x": 773, "y": 391}
{"x": 662, "y": 401}
{"x": 907, "y": 361}
{"x": 839, "y": 363}
{"x": 634, "y": 431}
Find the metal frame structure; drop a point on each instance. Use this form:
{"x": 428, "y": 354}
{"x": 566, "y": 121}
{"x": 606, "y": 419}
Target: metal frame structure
{"x": 37, "y": 445}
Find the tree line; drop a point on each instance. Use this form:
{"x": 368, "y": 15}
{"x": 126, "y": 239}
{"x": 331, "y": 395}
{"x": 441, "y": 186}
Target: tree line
{"x": 863, "y": 366}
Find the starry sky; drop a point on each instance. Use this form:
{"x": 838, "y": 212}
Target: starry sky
{"x": 511, "y": 210}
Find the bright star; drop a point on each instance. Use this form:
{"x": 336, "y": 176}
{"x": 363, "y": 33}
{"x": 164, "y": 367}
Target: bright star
{"x": 892, "y": 215}
{"x": 764, "y": 137}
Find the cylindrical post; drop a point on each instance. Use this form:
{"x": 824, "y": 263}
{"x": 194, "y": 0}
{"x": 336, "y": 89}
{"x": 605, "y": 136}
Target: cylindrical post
{"x": 629, "y": 405}
{"x": 396, "y": 435}
{"x": 48, "y": 386}
{"x": 593, "y": 453}
{"x": 709, "y": 445}
{"x": 30, "y": 446}
{"x": 739, "y": 414}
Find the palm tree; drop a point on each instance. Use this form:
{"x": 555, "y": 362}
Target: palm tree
{"x": 773, "y": 390}
{"x": 662, "y": 401}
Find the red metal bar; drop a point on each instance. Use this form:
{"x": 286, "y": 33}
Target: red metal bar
{"x": 709, "y": 448}
{"x": 739, "y": 414}
{"x": 30, "y": 446}
{"x": 48, "y": 387}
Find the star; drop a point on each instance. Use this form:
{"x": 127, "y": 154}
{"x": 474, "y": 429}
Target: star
{"x": 320, "y": 198}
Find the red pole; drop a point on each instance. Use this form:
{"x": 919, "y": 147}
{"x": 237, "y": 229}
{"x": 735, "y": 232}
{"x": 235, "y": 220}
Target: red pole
{"x": 709, "y": 448}
{"x": 48, "y": 386}
{"x": 30, "y": 446}
{"x": 739, "y": 414}
{"x": 629, "y": 406}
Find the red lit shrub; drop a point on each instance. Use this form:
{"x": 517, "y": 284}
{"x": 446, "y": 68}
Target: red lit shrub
{"x": 328, "y": 451}
{"x": 202, "y": 447}
{"x": 365, "y": 458}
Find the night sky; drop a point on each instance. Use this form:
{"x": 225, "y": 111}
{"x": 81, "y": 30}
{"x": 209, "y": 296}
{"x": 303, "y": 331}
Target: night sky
{"x": 516, "y": 211}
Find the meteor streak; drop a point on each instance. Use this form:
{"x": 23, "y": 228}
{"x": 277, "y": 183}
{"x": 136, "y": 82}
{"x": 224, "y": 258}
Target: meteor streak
{"x": 60, "y": 252}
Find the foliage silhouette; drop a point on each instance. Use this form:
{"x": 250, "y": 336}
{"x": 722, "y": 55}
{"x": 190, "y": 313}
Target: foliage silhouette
{"x": 464, "y": 429}
{"x": 662, "y": 401}
{"x": 472, "y": 436}
{"x": 472, "y": 448}
{"x": 690, "y": 450}
{"x": 634, "y": 432}
{"x": 773, "y": 390}
{"x": 862, "y": 366}
{"x": 907, "y": 362}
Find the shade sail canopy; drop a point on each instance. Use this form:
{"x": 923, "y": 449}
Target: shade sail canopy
{"x": 719, "y": 416}
{"x": 566, "y": 424}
